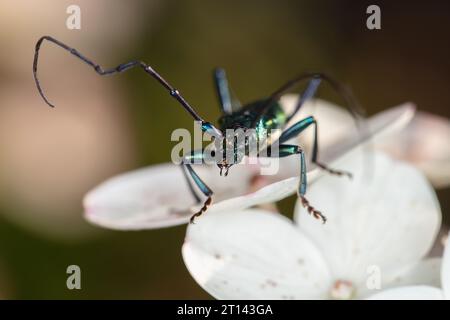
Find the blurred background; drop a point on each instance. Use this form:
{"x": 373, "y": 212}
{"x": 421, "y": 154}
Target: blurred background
{"x": 49, "y": 158}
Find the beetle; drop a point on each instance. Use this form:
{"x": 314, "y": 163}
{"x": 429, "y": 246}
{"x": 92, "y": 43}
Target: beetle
{"x": 260, "y": 116}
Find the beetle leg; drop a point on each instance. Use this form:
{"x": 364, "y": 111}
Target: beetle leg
{"x": 228, "y": 101}
{"x": 296, "y": 129}
{"x": 309, "y": 93}
{"x": 285, "y": 150}
{"x": 189, "y": 183}
{"x": 187, "y": 160}
{"x": 315, "y": 78}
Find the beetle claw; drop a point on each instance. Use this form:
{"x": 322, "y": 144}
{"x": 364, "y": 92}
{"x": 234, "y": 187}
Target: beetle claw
{"x": 313, "y": 211}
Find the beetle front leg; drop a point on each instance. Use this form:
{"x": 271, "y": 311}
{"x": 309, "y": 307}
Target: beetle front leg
{"x": 285, "y": 150}
{"x": 197, "y": 156}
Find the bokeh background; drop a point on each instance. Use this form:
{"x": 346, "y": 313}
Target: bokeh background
{"x": 102, "y": 126}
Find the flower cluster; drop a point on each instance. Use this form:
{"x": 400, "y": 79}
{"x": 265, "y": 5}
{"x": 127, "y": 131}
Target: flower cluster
{"x": 381, "y": 224}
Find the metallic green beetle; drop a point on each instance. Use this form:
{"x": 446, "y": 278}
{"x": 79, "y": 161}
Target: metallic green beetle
{"x": 260, "y": 117}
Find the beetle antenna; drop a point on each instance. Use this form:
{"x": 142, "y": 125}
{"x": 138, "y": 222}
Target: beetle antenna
{"x": 120, "y": 68}
{"x": 351, "y": 103}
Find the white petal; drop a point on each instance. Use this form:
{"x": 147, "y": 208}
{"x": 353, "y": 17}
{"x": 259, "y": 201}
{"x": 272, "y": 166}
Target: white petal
{"x": 270, "y": 193}
{"x": 426, "y": 272}
{"x": 445, "y": 269}
{"x": 387, "y": 216}
{"x": 409, "y": 293}
{"x": 424, "y": 142}
{"x": 157, "y": 196}
{"x": 254, "y": 254}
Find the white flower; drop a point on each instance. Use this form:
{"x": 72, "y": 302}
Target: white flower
{"x": 423, "y": 292}
{"x": 158, "y": 196}
{"x": 380, "y": 226}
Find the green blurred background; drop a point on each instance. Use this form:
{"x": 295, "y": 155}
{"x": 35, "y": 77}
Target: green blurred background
{"x": 50, "y": 158}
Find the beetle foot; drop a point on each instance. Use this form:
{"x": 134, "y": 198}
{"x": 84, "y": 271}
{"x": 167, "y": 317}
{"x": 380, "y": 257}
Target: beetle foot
{"x": 333, "y": 171}
{"x": 202, "y": 209}
{"x": 312, "y": 211}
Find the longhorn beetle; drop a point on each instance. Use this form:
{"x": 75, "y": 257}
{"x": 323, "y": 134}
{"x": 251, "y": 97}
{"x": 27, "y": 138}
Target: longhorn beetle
{"x": 262, "y": 116}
